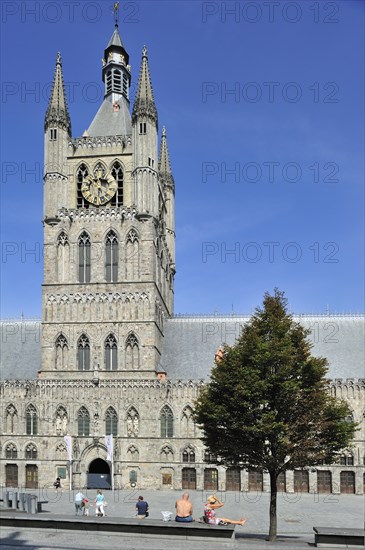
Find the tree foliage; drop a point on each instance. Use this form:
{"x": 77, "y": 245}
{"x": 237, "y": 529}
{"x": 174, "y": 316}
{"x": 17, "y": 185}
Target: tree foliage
{"x": 268, "y": 405}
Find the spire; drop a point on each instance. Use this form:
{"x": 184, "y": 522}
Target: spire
{"x": 144, "y": 104}
{"x": 115, "y": 39}
{"x": 164, "y": 165}
{"x": 57, "y": 112}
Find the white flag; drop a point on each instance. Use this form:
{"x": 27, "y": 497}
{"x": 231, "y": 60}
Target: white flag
{"x": 68, "y": 441}
{"x": 109, "y": 447}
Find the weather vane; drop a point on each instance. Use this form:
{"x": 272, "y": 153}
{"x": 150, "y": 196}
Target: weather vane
{"x": 116, "y": 13}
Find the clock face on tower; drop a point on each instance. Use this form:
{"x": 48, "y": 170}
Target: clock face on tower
{"x": 98, "y": 189}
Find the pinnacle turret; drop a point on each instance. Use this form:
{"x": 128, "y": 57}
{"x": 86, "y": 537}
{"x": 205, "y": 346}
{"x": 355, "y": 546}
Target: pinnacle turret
{"x": 164, "y": 165}
{"x": 144, "y": 104}
{"x": 57, "y": 113}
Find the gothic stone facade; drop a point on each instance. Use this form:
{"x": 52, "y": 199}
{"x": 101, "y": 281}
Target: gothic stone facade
{"x": 107, "y": 298}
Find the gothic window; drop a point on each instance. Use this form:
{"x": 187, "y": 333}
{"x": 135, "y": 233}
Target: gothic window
{"x": 117, "y": 173}
{"x": 83, "y": 422}
{"x": 11, "y": 418}
{"x": 166, "y": 422}
{"x": 61, "y": 352}
{"x": 84, "y": 258}
{"x": 132, "y": 255}
{"x": 99, "y": 170}
{"x": 111, "y": 422}
{"x": 61, "y": 421}
{"x": 188, "y": 454}
{"x": 11, "y": 451}
{"x": 111, "y": 257}
{"x": 63, "y": 255}
{"x": 83, "y": 353}
{"x": 133, "y": 453}
{"x": 31, "y": 452}
{"x": 143, "y": 128}
{"x": 132, "y": 422}
{"x": 167, "y": 454}
{"x": 132, "y": 352}
{"x": 187, "y": 422}
{"x": 81, "y": 175}
{"x": 60, "y": 451}
{"x": 347, "y": 460}
{"x": 53, "y": 134}
{"x": 111, "y": 353}
{"x": 31, "y": 420}
{"x": 209, "y": 457}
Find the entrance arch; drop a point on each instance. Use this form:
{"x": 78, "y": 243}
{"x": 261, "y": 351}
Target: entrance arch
{"x": 98, "y": 475}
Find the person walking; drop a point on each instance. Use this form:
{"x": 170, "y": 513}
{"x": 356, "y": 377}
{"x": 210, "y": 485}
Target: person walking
{"x": 184, "y": 509}
{"x": 79, "y": 497}
{"x": 99, "y": 503}
{"x": 57, "y": 484}
{"x": 142, "y": 508}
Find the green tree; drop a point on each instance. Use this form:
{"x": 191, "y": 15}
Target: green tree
{"x": 267, "y": 405}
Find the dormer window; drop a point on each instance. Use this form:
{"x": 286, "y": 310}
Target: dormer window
{"x": 53, "y": 134}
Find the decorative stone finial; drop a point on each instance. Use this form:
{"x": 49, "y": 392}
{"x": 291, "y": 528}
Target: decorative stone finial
{"x": 59, "y": 58}
{"x": 144, "y": 51}
{"x": 164, "y": 131}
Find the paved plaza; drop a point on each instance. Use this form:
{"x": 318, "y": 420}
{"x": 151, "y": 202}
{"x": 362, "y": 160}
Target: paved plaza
{"x": 297, "y": 514}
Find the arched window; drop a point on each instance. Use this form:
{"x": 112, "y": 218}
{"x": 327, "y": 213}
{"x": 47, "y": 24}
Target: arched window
{"x": 166, "y": 422}
{"x": 11, "y": 451}
{"x": 111, "y": 353}
{"x": 133, "y": 453}
{"x": 111, "y": 422}
{"x": 132, "y": 352}
{"x": 188, "y": 454}
{"x": 81, "y": 175}
{"x": 11, "y": 419}
{"x": 132, "y": 255}
{"x": 61, "y": 352}
{"x": 63, "y": 256}
{"x": 31, "y": 452}
{"x": 61, "y": 421}
{"x": 83, "y": 422}
{"x": 84, "y": 258}
{"x": 111, "y": 257}
{"x": 31, "y": 420}
{"x": 83, "y": 353}
{"x": 187, "y": 422}
{"x": 117, "y": 173}
{"x": 167, "y": 454}
{"x": 132, "y": 422}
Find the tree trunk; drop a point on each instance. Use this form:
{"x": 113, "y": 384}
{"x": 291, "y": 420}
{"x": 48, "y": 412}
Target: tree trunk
{"x": 273, "y": 500}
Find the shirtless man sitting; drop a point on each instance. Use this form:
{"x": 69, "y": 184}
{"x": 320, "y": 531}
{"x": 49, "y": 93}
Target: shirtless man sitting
{"x": 184, "y": 509}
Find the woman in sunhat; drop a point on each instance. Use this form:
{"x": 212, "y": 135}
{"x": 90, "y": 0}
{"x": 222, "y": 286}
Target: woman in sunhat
{"x": 210, "y": 506}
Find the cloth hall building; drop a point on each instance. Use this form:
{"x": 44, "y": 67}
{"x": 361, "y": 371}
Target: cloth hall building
{"x": 109, "y": 357}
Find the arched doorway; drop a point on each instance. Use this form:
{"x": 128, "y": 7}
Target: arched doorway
{"x": 98, "y": 476}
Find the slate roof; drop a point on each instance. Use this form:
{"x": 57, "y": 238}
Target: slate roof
{"x": 191, "y": 342}
{"x": 108, "y": 122}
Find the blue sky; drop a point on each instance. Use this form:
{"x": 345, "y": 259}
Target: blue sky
{"x": 263, "y": 104}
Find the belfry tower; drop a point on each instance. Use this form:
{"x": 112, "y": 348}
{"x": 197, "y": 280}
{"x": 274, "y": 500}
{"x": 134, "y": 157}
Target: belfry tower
{"x": 108, "y": 231}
